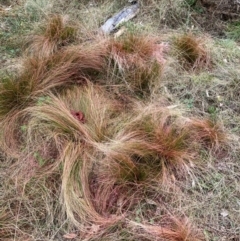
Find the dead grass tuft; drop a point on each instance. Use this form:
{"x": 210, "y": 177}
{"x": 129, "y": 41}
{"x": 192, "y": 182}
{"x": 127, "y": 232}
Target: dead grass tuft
{"x": 162, "y": 138}
{"x": 39, "y": 75}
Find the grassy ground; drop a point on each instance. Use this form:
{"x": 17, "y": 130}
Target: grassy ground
{"x": 127, "y": 138}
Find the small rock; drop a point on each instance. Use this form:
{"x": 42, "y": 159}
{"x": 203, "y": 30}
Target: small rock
{"x": 224, "y": 213}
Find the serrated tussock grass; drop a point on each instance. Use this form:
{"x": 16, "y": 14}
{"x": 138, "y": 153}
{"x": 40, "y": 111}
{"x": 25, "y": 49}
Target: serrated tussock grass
{"x": 73, "y": 65}
{"x": 192, "y": 51}
{"x": 55, "y": 33}
{"x": 208, "y": 133}
{"x": 175, "y": 230}
{"x": 100, "y": 154}
{"x": 143, "y": 150}
{"x": 14, "y": 95}
{"x": 99, "y": 159}
{"x": 39, "y": 75}
{"x": 162, "y": 133}
{"x": 75, "y": 189}
{"x": 137, "y": 60}
{"x": 70, "y": 66}
{"x": 58, "y": 114}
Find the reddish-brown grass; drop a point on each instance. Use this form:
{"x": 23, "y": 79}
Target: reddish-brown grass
{"x": 207, "y": 132}
{"x": 39, "y": 75}
{"x": 192, "y": 51}
{"x": 138, "y": 59}
{"x": 171, "y": 143}
{"x": 73, "y": 65}
{"x": 54, "y": 34}
{"x": 173, "y": 230}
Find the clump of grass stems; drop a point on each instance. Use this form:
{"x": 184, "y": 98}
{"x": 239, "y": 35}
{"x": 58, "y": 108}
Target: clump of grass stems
{"x": 14, "y": 94}
{"x": 98, "y": 150}
{"x": 56, "y": 114}
{"x": 192, "y": 51}
{"x": 102, "y": 162}
{"x": 68, "y": 67}
{"x": 163, "y": 135}
{"x": 207, "y": 132}
{"x": 173, "y": 229}
{"x": 64, "y": 143}
{"x": 149, "y": 146}
{"x": 137, "y": 60}
{"x": 55, "y": 33}
{"x": 73, "y": 65}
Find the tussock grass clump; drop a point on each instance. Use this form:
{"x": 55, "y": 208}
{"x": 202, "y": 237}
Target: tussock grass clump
{"x": 207, "y": 132}
{"x": 58, "y": 114}
{"x": 171, "y": 142}
{"x": 167, "y": 142}
{"x": 14, "y": 95}
{"x": 118, "y": 171}
{"x": 56, "y": 33}
{"x": 111, "y": 160}
{"x": 147, "y": 147}
{"x": 90, "y": 156}
{"x": 175, "y": 230}
{"x": 192, "y": 51}
{"x": 73, "y": 65}
{"x": 56, "y": 141}
{"x": 137, "y": 60}
{"x": 40, "y": 75}
{"x": 75, "y": 189}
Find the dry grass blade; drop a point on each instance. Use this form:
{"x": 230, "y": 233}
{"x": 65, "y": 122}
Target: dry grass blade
{"x": 6, "y": 224}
